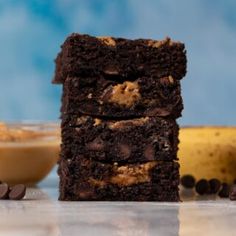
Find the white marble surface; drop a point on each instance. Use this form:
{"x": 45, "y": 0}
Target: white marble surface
{"x": 41, "y": 214}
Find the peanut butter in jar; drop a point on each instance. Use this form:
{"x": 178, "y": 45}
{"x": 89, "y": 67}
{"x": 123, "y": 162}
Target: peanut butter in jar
{"x": 28, "y": 151}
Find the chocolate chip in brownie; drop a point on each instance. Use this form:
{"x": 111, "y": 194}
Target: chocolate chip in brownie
{"x": 202, "y": 187}
{"x": 188, "y": 181}
{"x": 96, "y": 145}
{"x": 125, "y": 150}
{"x": 149, "y": 152}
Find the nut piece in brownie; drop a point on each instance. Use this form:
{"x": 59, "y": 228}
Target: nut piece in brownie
{"x": 83, "y": 55}
{"x": 135, "y": 140}
{"x": 85, "y": 179}
{"x": 143, "y": 96}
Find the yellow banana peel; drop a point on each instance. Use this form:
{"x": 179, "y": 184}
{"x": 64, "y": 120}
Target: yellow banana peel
{"x": 208, "y": 152}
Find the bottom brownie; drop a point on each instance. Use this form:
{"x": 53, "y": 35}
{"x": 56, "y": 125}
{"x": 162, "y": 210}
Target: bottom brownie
{"x": 85, "y": 179}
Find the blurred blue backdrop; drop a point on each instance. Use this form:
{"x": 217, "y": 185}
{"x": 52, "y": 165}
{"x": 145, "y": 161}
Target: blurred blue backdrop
{"x": 32, "y": 31}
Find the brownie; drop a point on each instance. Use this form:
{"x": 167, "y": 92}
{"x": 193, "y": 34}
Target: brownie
{"x": 86, "y": 179}
{"x": 130, "y": 141}
{"x": 132, "y": 97}
{"x": 120, "y": 102}
{"x": 83, "y": 55}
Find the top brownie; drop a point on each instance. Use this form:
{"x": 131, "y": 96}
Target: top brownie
{"x": 84, "y": 55}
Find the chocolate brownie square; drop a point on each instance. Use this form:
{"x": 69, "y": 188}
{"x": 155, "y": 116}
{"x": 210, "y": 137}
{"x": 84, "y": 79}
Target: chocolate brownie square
{"x": 84, "y": 55}
{"x": 130, "y": 141}
{"x": 133, "y": 97}
{"x": 86, "y": 179}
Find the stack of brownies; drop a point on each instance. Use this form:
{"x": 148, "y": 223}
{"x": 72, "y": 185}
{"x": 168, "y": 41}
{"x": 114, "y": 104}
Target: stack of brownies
{"x": 120, "y": 102}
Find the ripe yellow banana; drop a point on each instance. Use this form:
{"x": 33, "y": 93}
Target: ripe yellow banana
{"x": 208, "y": 152}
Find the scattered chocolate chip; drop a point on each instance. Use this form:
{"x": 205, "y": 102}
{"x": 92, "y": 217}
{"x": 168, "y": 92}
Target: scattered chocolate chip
{"x": 4, "y": 190}
{"x": 215, "y": 185}
{"x": 188, "y": 181}
{"x": 17, "y": 192}
{"x": 232, "y": 194}
{"x": 224, "y": 192}
{"x": 202, "y": 187}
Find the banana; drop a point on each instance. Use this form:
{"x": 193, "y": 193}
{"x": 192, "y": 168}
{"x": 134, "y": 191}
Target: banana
{"x": 208, "y": 152}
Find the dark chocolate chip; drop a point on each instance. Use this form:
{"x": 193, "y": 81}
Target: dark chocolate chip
{"x": 96, "y": 145}
{"x": 149, "y": 152}
{"x": 232, "y": 194}
{"x": 202, "y": 187}
{"x": 125, "y": 150}
{"x": 188, "y": 181}
{"x": 215, "y": 185}
{"x": 4, "y": 191}
{"x": 17, "y": 192}
{"x": 224, "y": 192}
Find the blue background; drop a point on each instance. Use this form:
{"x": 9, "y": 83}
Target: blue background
{"x": 32, "y": 31}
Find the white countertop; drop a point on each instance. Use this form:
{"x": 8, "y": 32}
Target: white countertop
{"x": 41, "y": 214}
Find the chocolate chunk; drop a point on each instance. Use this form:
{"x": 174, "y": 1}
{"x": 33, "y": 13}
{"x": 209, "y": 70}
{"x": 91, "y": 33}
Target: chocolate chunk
{"x": 149, "y": 152}
{"x": 232, "y": 194}
{"x": 96, "y": 145}
{"x": 4, "y": 190}
{"x": 125, "y": 150}
{"x": 224, "y": 192}
{"x": 202, "y": 187}
{"x": 17, "y": 192}
{"x": 188, "y": 181}
{"x": 215, "y": 185}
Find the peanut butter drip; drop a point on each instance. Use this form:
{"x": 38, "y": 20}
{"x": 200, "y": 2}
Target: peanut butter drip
{"x": 81, "y": 120}
{"x": 125, "y": 94}
{"x": 109, "y": 41}
{"x": 157, "y": 44}
{"x": 127, "y": 175}
{"x": 97, "y": 122}
{"x": 125, "y": 123}
{"x": 99, "y": 183}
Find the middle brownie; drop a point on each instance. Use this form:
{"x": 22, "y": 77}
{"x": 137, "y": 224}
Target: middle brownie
{"x": 130, "y": 141}
{"x": 116, "y": 97}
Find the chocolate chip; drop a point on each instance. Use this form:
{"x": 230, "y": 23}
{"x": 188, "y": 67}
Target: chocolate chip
{"x": 224, "y": 192}
{"x": 125, "y": 150}
{"x": 232, "y": 194}
{"x": 149, "y": 152}
{"x": 96, "y": 145}
{"x": 188, "y": 181}
{"x": 4, "y": 190}
{"x": 202, "y": 187}
{"x": 17, "y": 192}
{"x": 215, "y": 185}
